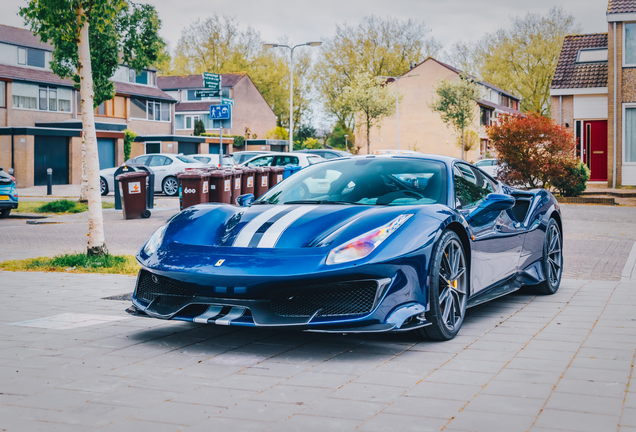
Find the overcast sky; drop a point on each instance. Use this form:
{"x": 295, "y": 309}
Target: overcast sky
{"x": 301, "y": 21}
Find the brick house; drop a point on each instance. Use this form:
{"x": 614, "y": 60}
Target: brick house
{"x": 40, "y": 125}
{"x": 421, "y": 129}
{"x": 593, "y": 93}
{"x": 251, "y": 114}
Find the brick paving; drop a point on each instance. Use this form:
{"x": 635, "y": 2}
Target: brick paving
{"x": 563, "y": 362}
{"x": 72, "y": 361}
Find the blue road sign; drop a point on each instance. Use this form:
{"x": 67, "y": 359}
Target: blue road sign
{"x": 220, "y": 112}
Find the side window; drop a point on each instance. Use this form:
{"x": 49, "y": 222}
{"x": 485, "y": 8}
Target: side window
{"x": 142, "y": 160}
{"x": 471, "y": 187}
{"x": 328, "y": 155}
{"x": 262, "y": 161}
{"x": 158, "y": 161}
{"x": 286, "y": 160}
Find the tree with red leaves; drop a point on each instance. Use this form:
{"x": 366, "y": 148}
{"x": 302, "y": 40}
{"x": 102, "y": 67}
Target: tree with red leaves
{"x": 532, "y": 150}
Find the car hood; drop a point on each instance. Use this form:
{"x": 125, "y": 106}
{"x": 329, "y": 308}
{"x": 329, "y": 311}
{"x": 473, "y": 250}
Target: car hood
{"x": 286, "y": 226}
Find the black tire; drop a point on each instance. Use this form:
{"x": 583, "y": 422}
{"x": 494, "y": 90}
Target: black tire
{"x": 552, "y": 260}
{"x": 170, "y": 186}
{"x": 448, "y": 289}
{"x": 103, "y": 186}
{"x": 5, "y": 213}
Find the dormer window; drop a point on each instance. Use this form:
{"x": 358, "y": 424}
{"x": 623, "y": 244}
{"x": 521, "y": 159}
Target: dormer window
{"x": 592, "y": 55}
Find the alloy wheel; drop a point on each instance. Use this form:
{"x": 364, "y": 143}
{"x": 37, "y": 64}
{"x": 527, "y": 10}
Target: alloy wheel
{"x": 555, "y": 256}
{"x": 170, "y": 186}
{"x": 453, "y": 290}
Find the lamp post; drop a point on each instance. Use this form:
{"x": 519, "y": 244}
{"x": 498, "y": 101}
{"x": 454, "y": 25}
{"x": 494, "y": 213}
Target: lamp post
{"x": 397, "y": 101}
{"x": 346, "y": 142}
{"x": 291, "y": 84}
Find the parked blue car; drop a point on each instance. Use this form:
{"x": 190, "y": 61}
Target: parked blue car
{"x": 8, "y": 194}
{"x": 391, "y": 243}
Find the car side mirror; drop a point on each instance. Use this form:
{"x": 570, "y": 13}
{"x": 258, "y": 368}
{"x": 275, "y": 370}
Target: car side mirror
{"x": 490, "y": 208}
{"x": 245, "y": 200}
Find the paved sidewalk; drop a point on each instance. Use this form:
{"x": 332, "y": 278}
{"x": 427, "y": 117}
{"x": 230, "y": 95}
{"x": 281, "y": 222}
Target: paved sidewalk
{"x": 562, "y": 362}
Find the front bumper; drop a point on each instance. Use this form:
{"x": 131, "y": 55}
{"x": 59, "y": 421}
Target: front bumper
{"x": 351, "y": 303}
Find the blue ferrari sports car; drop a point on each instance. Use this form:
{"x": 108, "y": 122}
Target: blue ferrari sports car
{"x": 364, "y": 244}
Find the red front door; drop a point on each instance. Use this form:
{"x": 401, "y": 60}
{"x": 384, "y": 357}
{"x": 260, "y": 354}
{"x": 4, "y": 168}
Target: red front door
{"x": 595, "y": 148}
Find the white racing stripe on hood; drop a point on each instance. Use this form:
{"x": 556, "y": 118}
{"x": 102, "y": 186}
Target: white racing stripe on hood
{"x": 246, "y": 234}
{"x": 271, "y": 236}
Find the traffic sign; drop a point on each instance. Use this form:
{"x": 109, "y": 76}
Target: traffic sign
{"x": 207, "y": 93}
{"x": 220, "y": 112}
{"x": 212, "y": 81}
{"x": 227, "y": 101}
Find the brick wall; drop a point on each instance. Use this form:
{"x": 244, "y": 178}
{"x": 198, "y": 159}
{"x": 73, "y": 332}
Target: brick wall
{"x": 24, "y": 158}
{"x": 75, "y": 160}
{"x": 5, "y": 152}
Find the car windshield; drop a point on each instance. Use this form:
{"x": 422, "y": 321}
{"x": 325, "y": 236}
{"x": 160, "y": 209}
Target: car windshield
{"x": 364, "y": 181}
{"x": 203, "y": 159}
{"x": 187, "y": 159}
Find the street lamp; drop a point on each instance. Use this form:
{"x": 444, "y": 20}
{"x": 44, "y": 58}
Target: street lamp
{"x": 397, "y": 101}
{"x": 346, "y": 142}
{"x": 291, "y": 83}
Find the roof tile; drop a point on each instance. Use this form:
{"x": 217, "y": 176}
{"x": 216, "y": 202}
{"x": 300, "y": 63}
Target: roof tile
{"x": 621, "y": 6}
{"x": 570, "y": 74}
{"x": 22, "y": 37}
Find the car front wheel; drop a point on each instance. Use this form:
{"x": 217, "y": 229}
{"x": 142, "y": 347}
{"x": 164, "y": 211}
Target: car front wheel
{"x": 170, "y": 186}
{"x": 448, "y": 289}
{"x": 103, "y": 186}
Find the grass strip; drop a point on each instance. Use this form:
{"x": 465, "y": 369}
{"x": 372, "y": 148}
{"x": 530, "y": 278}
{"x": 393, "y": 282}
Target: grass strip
{"x": 76, "y": 263}
{"x": 61, "y": 206}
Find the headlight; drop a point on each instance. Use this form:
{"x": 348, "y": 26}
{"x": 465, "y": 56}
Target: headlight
{"x": 155, "y": 240}
{"x": 363, "y": 245}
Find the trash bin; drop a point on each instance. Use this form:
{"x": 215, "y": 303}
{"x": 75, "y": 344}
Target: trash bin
{"x": 262, "y": 181}
{"x": 247, "y": 180}
{"x": 295, "y": 168}
{"x": 237, "y": 176}
{"x": 276, "y": 174}
{"x": 288, "y": 171}
{"x": 194, "y": 188}
{"x": 220, "y": 186}
{"x": 132, "y": 188}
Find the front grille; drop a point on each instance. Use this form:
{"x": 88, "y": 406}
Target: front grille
{"x": 335, "y": 299}
{"x": 170, "y": 292}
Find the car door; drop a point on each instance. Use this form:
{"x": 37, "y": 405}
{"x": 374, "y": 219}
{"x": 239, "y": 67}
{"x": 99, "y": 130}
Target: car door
{"x": 497, "y": 240}
{"x": 160, "y": 165}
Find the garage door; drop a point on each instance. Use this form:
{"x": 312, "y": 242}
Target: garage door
{"x": 106, "y": 150}
{"x": 51, "y": 152}
{"x": 188, "y": 148}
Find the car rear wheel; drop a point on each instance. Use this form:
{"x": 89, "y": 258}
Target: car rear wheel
{"x": 103, "y": 186}
{"x": 448, "y": 289}
{"x": 5, "y": 213}
{"x": 170, "y": 186}
{"x": 552, "y": 260}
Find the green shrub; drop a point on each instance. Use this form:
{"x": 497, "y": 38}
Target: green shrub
{"x": 572, "y": 182}
{"x": 129, "y": 137}
{"x": 59, "y": 206}
{"x": 77, "y": 263}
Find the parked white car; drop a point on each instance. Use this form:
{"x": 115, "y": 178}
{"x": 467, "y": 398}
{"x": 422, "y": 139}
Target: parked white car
{"x": 213, "y": 159}
{"x": 166, "y": 166}
{"x": 282, "y": 159}
{"x": 489, "y": 166}
{"x": 244, "y": 156}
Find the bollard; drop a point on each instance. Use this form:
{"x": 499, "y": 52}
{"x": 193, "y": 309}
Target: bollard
{"x": 49, "y": 181}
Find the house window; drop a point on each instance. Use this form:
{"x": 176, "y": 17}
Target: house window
{"x": 43, "y": 94}
{"x": 3, "y": 94}
{"x": 592, "y": 55}
{"x": 116, "y": 107}
{"x": 149, "y": 110}
{"x": 484, "y": 119}
{"x": 629, "y": 151}
{"x": 186, "y": 122}
{"x": 22, "y": 56}
{"x": 192, "y": 97}
{"x": 52, "y": 99}
{"x": 629, "y": 56}
{"x": 35, "y": 57}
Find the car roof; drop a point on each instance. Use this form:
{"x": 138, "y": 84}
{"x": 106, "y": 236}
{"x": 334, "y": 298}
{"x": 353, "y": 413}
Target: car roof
{"x": 209, "y": 154}
{"x": 336, "y": 151}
